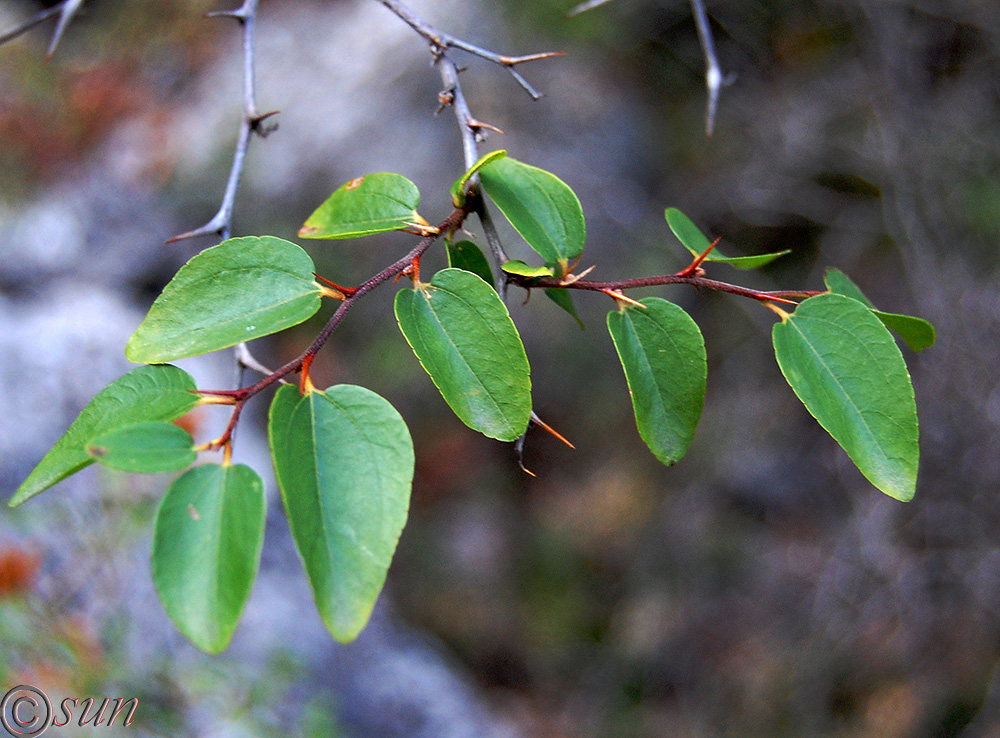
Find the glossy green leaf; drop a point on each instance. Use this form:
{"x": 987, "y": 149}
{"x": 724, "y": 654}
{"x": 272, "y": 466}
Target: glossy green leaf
{"x": 845, "y": 367}
{"x": 144, "y": 448}
{"x": 149, "y": 393}
{"x": 563, "y": 299}
{"x": 463, "y": 336}
{"x": 458, "y": 188}
{"x": 466, "y": 255}
{"x": 206, "y": 550}
{"x": 663, "y": 354}
{"x": 696, "y": 242}
{"x": 518, "y": 267}
{"x": 375, "y": 203}
{"x": 917, "y": 333}
{"x": 540, "y": 206}
{"x": 344, "y": 463}
{"x": 242, "y": 289}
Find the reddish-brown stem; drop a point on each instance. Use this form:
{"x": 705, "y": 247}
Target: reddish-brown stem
{"x": 242, "y": 395}
{"x": 628, "y": 284}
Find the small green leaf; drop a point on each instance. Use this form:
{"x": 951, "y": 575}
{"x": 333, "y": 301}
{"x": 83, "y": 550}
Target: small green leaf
{"x": 242, "y": 289}
{"x": 206, "y": 550}
{"x": 466, "y": 255}
{"x": 375, "y": 203}
{"x": 458, "y": 189}
{"x": 540, "y": 206}
{"x": 563, "y": 299}
{"x": 149, "y": 393}
{"x": 463, "y": 336}
{"x": 344, "y": 463}
{"x": 696, "y": 242}
{"x": 518, "y": 267}
{"x": 663, "y": 354}
{"x": 840, "y": 284}
{"x": 845, "y": 367}
{"x": 917, "y": 333}
{"x": 144, "y": 448}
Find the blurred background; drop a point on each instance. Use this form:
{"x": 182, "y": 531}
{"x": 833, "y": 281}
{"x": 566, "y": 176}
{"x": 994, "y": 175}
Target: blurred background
{"x": 761, "y": 587}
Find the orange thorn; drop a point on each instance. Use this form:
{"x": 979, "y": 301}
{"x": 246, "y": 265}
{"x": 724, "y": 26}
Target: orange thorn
{"x": 546, "y": 427}
{"x": 345, "y": 291}
{"x": 694, "y": 268}
{"x": 620, "y": 298}
{"x": 305, "y": 382}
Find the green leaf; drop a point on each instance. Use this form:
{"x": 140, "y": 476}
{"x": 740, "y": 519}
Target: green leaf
{"x": 540, "y": 206}
{"x": 840, "y": 284}
{"x": 149, "y": 393}
{"x": 916, "y": 332}
{"x": 563, "y": 299}
{"x": 663, "y": 354}
{"x": 463, "y": 336}
{"x": 242, "y": 289}
{"x": 375, "y": 203}
{"x": 696, "y": 242}
{"x": 518, "y": 267}
{"x": 144, "y": 448}
{"x": 466, "y": 255}
{"x": 344, "y": 463}
{"x": 206, "y": 550}
{"x": 845, "y": 367}
{"x": 458, "y": 189}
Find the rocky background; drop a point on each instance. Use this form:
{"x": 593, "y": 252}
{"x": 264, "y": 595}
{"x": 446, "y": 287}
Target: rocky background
{"x": 761, "y": 587}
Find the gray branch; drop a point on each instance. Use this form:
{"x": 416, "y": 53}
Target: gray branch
{"x": 66, "y": 10}
{"x": 252, "y": 123}
{"x": 445, "y": 41}
{"x": 714, "y": 79}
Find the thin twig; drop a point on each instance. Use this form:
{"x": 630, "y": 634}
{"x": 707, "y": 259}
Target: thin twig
{"x": 440, "y": 40}
{"x": 249, "y": 361}
{"x": 253, "y": 122}
{"x": 713, "y": 72}
{"x": 471, "y": 137}
{"x": 66, "y": 10}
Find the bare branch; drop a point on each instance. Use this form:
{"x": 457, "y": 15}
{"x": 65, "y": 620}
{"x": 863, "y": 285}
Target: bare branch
{"x": 252, "y": 123}
{"x": 444, "y": 41}
{"x": 66, "y": 10}
{"x": 714, "y": 79}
